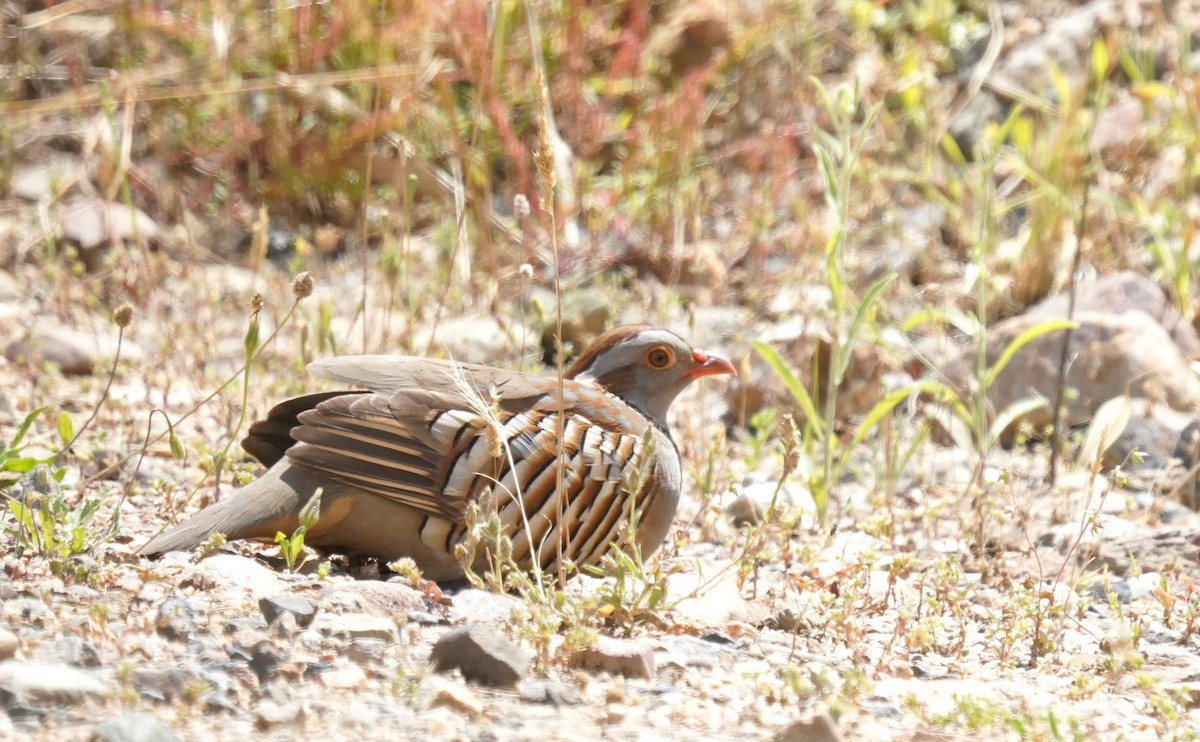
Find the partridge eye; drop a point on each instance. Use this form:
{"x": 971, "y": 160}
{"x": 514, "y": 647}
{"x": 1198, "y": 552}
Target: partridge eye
{"x": 659, "y": 358}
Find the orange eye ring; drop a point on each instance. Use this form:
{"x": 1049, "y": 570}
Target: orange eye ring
{"x": 660, "y": 357}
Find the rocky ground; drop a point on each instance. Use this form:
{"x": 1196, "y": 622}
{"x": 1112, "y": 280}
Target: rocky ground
{"x": 1077, "y": 620}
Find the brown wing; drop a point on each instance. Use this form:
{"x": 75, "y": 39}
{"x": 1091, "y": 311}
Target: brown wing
{"x": 270, "y": 438}
{"x": 438, "y": 450}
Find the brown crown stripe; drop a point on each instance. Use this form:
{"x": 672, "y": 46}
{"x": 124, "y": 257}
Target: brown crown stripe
{"x": 600, "y": 345}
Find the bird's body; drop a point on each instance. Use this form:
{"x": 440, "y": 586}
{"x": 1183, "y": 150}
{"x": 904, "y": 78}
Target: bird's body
{"x": 399, "y": 463}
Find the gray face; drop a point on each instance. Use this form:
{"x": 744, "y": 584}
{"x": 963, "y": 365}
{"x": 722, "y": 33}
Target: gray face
{"x": 647, "y": 370}
{"x": 629, "y": 352}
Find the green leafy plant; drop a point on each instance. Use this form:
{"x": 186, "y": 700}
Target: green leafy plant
{"x": 823, "y": 457}
{"x": 12, "y": 463}
{"x": 967, "y": 417}
{"x": 633, "y": 590}
{"x": 291, "y": 548}
{"x": 45, "y": 522}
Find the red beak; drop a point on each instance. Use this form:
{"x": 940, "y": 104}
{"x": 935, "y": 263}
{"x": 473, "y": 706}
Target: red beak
{"x": 708, "y": 365}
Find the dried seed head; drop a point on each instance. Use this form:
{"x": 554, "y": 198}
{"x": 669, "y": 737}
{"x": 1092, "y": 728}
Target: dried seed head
{"x": 256, "y": 302}
{"x": 543, "y": 156}
{"x": 123, "y": 315}
{"x": 302, "y": 285}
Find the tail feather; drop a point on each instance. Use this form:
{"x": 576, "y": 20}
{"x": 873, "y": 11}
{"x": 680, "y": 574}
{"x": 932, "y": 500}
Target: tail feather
{"x": 259, "y": 510}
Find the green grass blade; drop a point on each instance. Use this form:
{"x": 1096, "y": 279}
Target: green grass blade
{"x": 860, "y": 316}
{"x": 1012, "y": 414}
{"x": 772, "y": 358}
{"x": 24, "y": 428}
{"x": 1020, "y": 341}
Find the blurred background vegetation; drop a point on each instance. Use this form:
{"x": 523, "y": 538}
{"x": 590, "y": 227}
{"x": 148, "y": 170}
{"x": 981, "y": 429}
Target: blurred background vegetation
{"x": 683, "y": 135}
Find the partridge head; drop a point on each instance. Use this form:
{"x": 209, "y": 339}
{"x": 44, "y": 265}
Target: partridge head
{"x": 398, "y": 463}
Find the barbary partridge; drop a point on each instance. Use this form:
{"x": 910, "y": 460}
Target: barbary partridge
{"x": 398, "y": 462}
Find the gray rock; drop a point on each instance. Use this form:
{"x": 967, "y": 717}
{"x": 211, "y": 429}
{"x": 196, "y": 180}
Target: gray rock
{"x": 1110, "y": 355}
{"x": 92, "y": 223}
{"x": 343, "y": 675}
{"x": 1159, "y": 634}
{"x": 311, "y": 640}
{"x": 67, "y": 650}
{"x": 238, "y": 576}
{"x": 39, "y": 683}
{"x": 882, "y": 707}
{"x": 1165, "y": 172}
{"x": 45, "y": 178}
{"x": 1063, "y": 45}
{"x": 366, "y": 651}
{"x": 73, "y": 352}
{"x": 175, "y": 619}
{"x": 481, "y": 605}
{"x": 1087, "y": 537}
{"x": 1120, "y": 127}
{"x": 164, "y": 683}
{"x": 385, "y": 599}
{"x": 1155, "y": 549}
{"x": 973, "y": 120}
{"x": 8, "y": 644}
{"x": 628, "y": 657}
{"x": 756, "y": 498}
{"x": 482, "y": 654}
{"x": 550, "y": 692}
{"x": 691, "y": 651}
{"x": 268, "y": 714}
{"x": 209, "y": 686}
{"x": 26, "y": 610}
{"x": 284, "y": 626}
{"x": 299, "y": 608}
{"x": 1169, "y": 662}
{"x": 713, "y": 636}
{"x": 454, "y": 696}
{"x": 133, "y": 727}
{"x": 1158, "y": 433}
{"x": 1125, "y": 291}
{"x": 743, "y": 511}
{"x": 242, "y": 624}
{"x": 9, "y": 289}
{"x": 350, "y": 626}
{"x": 586, "y": 312}
{"x": 819, "y": 728}
{"x": 1188, "y": 693}
{"x": 265, "y": 659}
